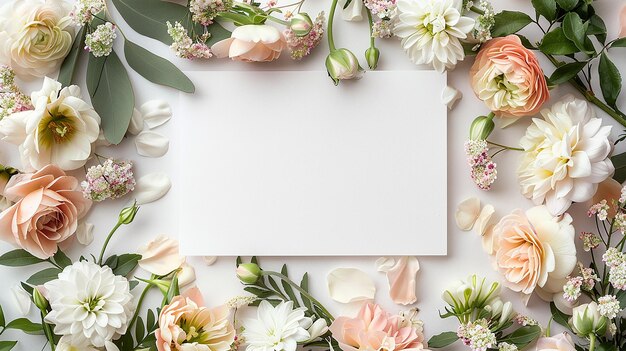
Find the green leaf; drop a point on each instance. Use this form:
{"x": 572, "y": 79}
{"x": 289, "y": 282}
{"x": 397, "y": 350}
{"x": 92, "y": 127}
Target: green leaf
{"x": 610, "y": 80}
{"x": 509, "y": 22}
{"x": 546, "y": 8}
{"x": 527, "y": 44}
{"x": 442, "y": 340}
{"x": 111, "y": 262}
{"x": 111, "y": 95}
{"x": 575, "y": 30}
{"x": 155, "y": 68}
{"x": 140, "y": 329}
{"x": 150, "y": 320}
{"x": 7, "y": 345}
{"x": 261, "y": 293}
{"x": 19, "y": 258}
{"x": 44, "y": 276}
{"x": 68, "y": 67}
{"x": 288, "y": 289}
{"x": 126, "y": 263}
{"x": 61, "y": 259}
{"x": 566, "y": 72}
{"x": 304, "y": 284}
{"x": 559, "y": 316}
{"x": 2, "y": 320}
{"x": 619, "y": 43}
{"x": 26, "y": 326}
{"x": 567, "y": 5}
{"x": 597, "y": 27}
{"x": 556, "y": 43}
{"x": 523, "y": 336}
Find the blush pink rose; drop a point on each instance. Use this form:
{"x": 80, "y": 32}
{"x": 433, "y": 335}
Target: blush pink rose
{"x": 508, "y": 78}
{"x": 48, "y": 205}
{"x": 375, "y": 329}
{"x": 251, "y": 43}
{"x": 559, "y": 342}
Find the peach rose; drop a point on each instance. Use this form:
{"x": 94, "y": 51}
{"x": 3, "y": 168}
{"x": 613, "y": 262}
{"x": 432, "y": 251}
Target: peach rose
{"x": 48, "y": 205}
{"x": 559, "y": 342}
{"x": 375, "y": 329}
{"x": 535, "y": 251}
{"x": 251, "y": 43}
{"x": 184, "y": 325}
{"x": 508, "y": 78}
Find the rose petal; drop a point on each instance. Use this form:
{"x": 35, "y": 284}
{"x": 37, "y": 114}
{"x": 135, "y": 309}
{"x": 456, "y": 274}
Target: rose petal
{"x": 152, "y": 187}
{"x": 209, "y": 260}
{"x": 136, "y": 122}
{"x": 84, "y": 233}
{"x": 450, "y": 96}
{"x": 402, "y": 280}
{"x": 22, "y": 299}
{"x": 187, "y": 275}
{"x": 384, "y": 264}
{"x": 484, "y": 219}
{"x": 151, "y": 144}
{"x": 156, "y": 113}
{"x": 466, "y": 213}
{"x": 160, "y": 256}
{"x": 348, "y": 285}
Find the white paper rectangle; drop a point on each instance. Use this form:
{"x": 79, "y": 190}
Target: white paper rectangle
{"x": 285, "y": 163}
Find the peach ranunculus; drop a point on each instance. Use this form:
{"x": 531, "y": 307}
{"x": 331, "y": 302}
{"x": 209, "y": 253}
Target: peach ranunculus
{"x": 35, "y": 35}
{"x": 48, "y": 205}
{"x": 375, "y": 329}
{"x": 535, "y": 251}
{"x": 559, "y": 342}
{"x": 508, "y": 78}
{"x": 251, "y": 43}
{"x": 160, "y": 256}
{"x": 185, "y": 325}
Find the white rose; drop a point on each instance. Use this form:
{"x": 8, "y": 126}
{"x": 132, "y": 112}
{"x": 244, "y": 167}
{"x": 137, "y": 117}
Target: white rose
{"x": 35, "y": 36}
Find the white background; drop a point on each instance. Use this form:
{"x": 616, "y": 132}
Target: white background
{"x": 218, "y": 282}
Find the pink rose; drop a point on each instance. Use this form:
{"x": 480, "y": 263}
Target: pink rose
{"x": 375, "y": 329}
{"x": 251, "y": 43}
{"x": 559, "y": 342}
{"x": 48, "y": 205}
{"x": 508, "y": 78}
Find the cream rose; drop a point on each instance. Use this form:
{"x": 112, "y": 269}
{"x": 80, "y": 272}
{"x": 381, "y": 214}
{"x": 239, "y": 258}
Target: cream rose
{"x": 559, "y": 342}
{"x": 535, "y": 251}
{"x": 251, "y": 43}
{"x": 35, "y": 36}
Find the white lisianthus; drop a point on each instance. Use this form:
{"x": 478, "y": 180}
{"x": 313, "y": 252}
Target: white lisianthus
{"x": 432, "y": 30}
{"x": 278, "y": 328}
{"x": 35, "y": 35}
{"x": 89, "y": 303}
{"x": 566, "y": 155}
{"x": 60, "y": 130}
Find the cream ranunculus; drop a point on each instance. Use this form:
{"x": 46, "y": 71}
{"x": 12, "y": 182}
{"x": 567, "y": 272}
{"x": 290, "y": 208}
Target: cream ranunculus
{"x": 535, "y": 251}
{"x": 60, "y": 130}
{"x": 566, "y": 155}
{"x": 35, "y": 35}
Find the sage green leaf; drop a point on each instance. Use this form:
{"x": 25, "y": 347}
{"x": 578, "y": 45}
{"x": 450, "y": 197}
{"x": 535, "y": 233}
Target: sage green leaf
{"x": 61, "y": 259}
{"x": 18, "y": 258}
{"x": 523, "y": 336}
{"x": 7, "y": 345}
{"x": 126, "y": 263}
{"x": 546, "y": 8}
{"x": 287, "y": 288}
{"x": 442, "y": 340}
{"x": 556, "y": 43}
{"x": 575, "y": 31}
{"x": 619, "y": 43}
{"x": 155, "y": 68}
{"x": 68, "y": 67}
{"x": 111, "y": 95}
{"x": 26, "y": 326}
{"x": 509, "y": 22}
{"x": 44, "y": 276}
{"x": 217, "y": 33}
{"x": 610, "y": 80}
{"x": 567, "y": 5}
{"x": 559, "y": 316}
{"x": 566, "y": 72}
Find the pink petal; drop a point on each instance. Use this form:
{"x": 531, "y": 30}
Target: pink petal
{"x": 402, "y": 280}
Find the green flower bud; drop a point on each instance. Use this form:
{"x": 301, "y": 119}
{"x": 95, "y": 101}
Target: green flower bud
{"x": 481, "y": 128}
{"x": 301, "y": 24}
{"x": 39, "y": 300}
{"x": 586, "y": 319}
{"x": 372, "y": 55}
{"x": 248, "y": 273}
{"x": 127, "y": 215}
{"x": 341, "y": 64}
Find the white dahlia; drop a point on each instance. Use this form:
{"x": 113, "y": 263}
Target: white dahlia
{"x": 431, "y": 31}
{"x": 566, "y": 155}
{"x": 60, "y": 130}
{"x": 278, "y": 328}
{"x": 89, "y": 303}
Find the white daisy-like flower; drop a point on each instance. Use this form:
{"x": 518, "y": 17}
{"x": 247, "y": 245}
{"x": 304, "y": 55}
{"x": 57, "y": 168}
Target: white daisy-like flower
{"x": 432, "y": 30}
{"x": 278, "y": 328}
{"x": 89, "y": 303}
{"x": 566, "y": 155}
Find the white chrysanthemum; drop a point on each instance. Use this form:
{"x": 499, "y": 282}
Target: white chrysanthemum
{"x": 565, "y": 155}
{"x": 277, "y": 328}
{"x": 60, "y": 130}
{"x": 89, "y": 302}
{"x": 431, "y": 31}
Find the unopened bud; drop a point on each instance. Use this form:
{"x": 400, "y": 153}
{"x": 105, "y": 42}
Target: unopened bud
{"x": 40, "y": 301}
{"x": 248, "y": 273}
{"x": 481, "y": 127}
{"x": 127, "y": 215}
{"x": 341, "y": 64}
{"x": 301, "y": 24}
{"x": 372, "y": 55}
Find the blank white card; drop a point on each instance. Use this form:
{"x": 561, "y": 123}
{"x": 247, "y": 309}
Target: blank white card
{"x": 285, "y": 163}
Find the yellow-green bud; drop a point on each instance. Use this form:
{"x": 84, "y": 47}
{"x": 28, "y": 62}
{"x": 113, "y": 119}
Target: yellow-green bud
{"x": 481, "y": 127}
{"x": 372, "y": 55}
{"x": 248, "y": 273}
{"x": 301, "y": 24}
{"x": 39, "y": 300}
{"x": 341, "y": 64}
{"x": 127, "y": 215}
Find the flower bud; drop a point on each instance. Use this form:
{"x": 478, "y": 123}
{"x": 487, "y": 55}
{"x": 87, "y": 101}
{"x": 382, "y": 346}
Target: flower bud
{"x": 39, "y": 300}
{"x": 127, "y": 215}
{"x": 318, "y": 328}
{"x": 372, "y": 55}
{"x": 481, "y": 127}
{"x": 248, "y": 273}
{"x": 301, "y": 24}
{"x": 341, "y": 64}
{"x": 586, "y": 319}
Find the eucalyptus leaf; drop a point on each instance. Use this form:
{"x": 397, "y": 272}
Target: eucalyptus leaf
{"x": 546, "y": 8}
{"x": 44, "y": 276}
{"x": 566, "y": 72}
{"x": 7, "y": 345}
{"x": 509, "y": 22}
{"x": 68, "y": 67}
{"x": 610, "y": 80}
{"x": 19, "y": 258}
{"x": 442, "y": 340}
{"x": 556, "y": 43}
{"x": 26, "y": 326}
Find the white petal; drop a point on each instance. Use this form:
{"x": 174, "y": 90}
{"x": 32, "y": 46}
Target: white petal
{"x": 156, "y": 113}
{"x": 209, "y": 260}
{"x": 467, "y": 212}
{"x": 384, "y": 264}
{"x": 187, "y": 275}
{"x": 151, "y": 144}
{"x": 22, "y": 299}
{"x": 484, "y": 219}
{"x": 84, "y": 233}
{"x": 152, "y": 187}
{"x": 136, "y": 122}
{"x": 354, "y": 11}
{"x": 109, "y": 346}
{"x": 347, "y": 285}
{"x": 450, "y": 96}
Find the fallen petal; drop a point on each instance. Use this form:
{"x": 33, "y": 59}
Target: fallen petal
{"x": 402, "y": 279}
{"x": 450, "y": 96}
{"x": 136, "y": 122}
{"x": 156, "y": 113}
{"x": 467, "y": 212}
{"x": 151, "y": 144}
{"x": 209, "y": 260}
{"x": 484, "y": 219}
{"x": 22, "y": 299}
{"x": 348, "y": 285}
{"x": 384, "y": 264}
{"x": 152, "y": 187}
{"x": 354, "y": 11}
{"x": 84, "y": 233}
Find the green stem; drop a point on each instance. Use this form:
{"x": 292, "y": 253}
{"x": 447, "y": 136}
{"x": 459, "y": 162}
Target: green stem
{"x": 139, "y": 302}
{"x": 329, "y": 30}
{"x": 592, "y": 341}
{"x": 302, "y": 292}
{"x": 277, "y": 20}
{"x": 106, "y": 242}
{"x": 505, "y": 147}
{"x": 477, "y": 10}
{"x": 48, "y": 331}
{"x": 371, "y": 24}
